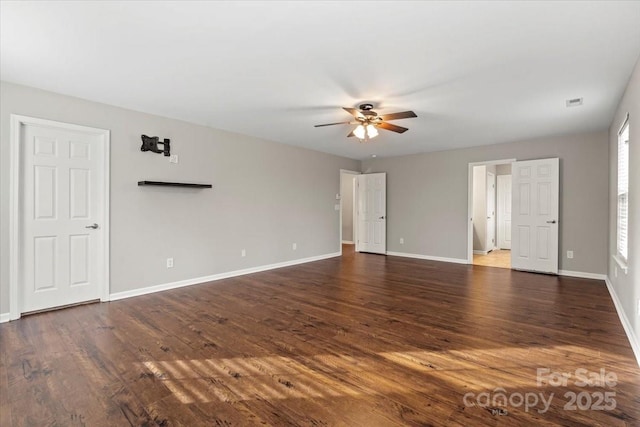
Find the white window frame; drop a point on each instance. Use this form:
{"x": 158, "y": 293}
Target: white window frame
{"x": 622, "y": 196}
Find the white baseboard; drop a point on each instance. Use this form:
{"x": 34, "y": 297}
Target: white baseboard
{"x": 347, "y": 242}
{"x": 480, "y": 252}
{"x": 226, "y": 275}
{"x": 633, "y": 339}
{"x": 428, "y": 257}
{"x": 582, "y": 275}
{"x": 567, "y": 273}
{"x": 5, "y": 317}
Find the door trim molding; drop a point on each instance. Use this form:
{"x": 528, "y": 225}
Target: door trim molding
{"x": 470, "y": 201}
{"x": 17, "y": 122}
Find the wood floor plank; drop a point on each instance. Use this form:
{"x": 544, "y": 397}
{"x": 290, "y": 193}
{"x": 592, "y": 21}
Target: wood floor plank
{"x": 5, "y": 406}
{"x": 359, "y": 340}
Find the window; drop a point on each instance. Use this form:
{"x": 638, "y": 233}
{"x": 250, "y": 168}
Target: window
{"x": 623, "y": 191}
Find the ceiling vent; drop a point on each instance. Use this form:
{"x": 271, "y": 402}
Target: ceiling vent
{"x": 574, "y": 102}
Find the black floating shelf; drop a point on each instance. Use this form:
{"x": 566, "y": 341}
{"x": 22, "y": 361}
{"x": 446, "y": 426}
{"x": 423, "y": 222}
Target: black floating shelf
{"x": 175, "y": 184}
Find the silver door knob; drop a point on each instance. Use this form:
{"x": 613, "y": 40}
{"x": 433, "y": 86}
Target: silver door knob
{"x": 551, "y": 222}
{"x": 93, "y": 226}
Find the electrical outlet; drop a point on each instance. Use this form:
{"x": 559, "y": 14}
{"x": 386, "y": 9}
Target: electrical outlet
{"x": 336, "y": 207}
{"x": 173, "y": 158}
{"x": 294, "y": 246}
{"x": 570, "y": 254}
{"x": 169, "y": 262}
{"x": 402, "y": 240}
{"x": 243, "y": 252}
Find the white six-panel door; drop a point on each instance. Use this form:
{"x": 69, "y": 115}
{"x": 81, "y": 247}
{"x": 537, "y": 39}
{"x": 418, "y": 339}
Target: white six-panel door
{"x": 504, "y": 211}
{"x": 535, "y": 185}
{"x": 372, "y": 213}
{"x": 62, "y": 203}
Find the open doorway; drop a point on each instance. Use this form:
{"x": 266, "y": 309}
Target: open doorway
{"x": 490, "y": 213}
{"x": 347, "y": 211}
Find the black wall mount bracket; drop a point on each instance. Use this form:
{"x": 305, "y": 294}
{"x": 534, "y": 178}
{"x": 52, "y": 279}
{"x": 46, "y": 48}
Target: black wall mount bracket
{"x": 150, "y": 143}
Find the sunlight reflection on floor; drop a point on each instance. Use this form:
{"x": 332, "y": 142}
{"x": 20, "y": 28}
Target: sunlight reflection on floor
{"x": 320, "y": 376}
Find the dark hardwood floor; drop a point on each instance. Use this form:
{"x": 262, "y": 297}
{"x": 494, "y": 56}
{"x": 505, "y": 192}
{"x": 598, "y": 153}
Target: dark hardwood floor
{"x": 362, "y": 340}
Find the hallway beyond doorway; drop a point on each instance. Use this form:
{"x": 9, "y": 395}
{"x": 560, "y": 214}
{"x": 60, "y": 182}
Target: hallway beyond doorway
{"x": 498, "y": 258}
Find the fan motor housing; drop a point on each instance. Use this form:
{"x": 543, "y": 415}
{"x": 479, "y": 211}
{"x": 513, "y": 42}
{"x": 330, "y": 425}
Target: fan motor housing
{"x": 367, "y": 111}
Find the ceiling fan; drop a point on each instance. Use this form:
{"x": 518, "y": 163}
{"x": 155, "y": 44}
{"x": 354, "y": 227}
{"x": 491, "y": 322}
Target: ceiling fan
{"x": 369, "y": 121}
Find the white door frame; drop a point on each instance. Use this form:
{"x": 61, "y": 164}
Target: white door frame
{"x": 470, "y": 202}
{"x": 347, "y": 172}
{"x": 15, "y": 214}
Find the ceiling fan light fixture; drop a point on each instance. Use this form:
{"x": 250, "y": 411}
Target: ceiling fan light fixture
{"x": 359, "y": 132}
{"x": 365, "y": 132}
{"x": 372, "y": 131}
{"x": 368, "y": 122}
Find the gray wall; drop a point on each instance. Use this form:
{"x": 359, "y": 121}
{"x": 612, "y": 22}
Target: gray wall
{"x": 346, "y": 194}
{"x": 627, "y": 287}
{"x": 266, "y": 195}
{"x": 427, "y": 197}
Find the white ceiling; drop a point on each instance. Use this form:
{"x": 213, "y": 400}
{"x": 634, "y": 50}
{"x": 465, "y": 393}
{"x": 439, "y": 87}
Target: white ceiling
{"x": 474, "y": 72}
